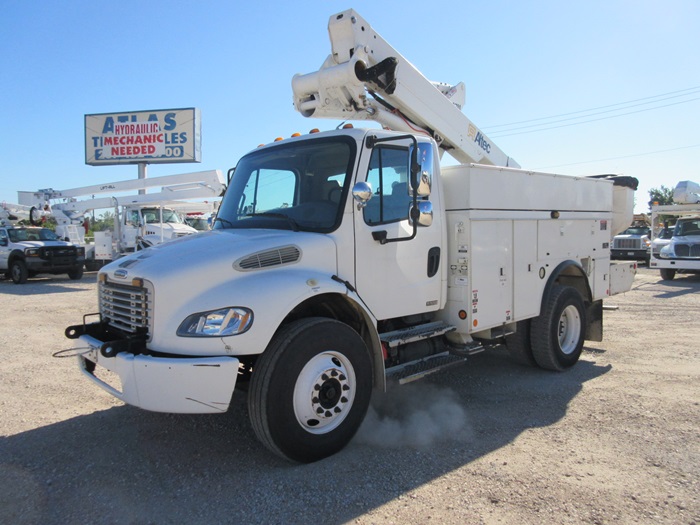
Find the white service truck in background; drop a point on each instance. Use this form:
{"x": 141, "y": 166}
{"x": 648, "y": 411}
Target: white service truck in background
{"x": 342, "y": 259}
{"x": 29, "y": 251}
{"x": 141, "y": 219}
{"x": 682, "y": 252}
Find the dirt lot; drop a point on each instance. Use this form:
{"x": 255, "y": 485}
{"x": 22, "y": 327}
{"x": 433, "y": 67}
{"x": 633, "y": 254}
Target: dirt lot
{"x": 614, "y": 440}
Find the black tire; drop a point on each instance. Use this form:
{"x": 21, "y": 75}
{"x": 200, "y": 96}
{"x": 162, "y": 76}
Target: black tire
{"x": 19, "y": 272}
{"x": 667, "y": 274}
{"x": 32, "y": 212}
{"x": 518, "y": 344}
{"x": 557, "y": 334}
{"x": 310, "y": 389}
{"x": 76, "y": 273}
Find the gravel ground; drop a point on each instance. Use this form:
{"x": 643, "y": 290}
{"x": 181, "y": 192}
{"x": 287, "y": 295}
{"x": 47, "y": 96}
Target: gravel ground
{"x": 614, "y": 440}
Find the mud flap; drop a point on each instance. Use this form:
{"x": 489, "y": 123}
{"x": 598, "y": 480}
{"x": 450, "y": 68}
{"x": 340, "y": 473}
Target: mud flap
{"x": 594, "y": 316}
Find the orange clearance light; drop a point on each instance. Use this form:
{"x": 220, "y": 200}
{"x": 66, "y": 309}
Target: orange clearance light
{"x": 475, "y": 323}
{"x": 279, "y": 138}
{"x": 315, "y": 130}
{"x": 297, "y": 134}
{"x": 260, "y": 145}
{"x": 348, "y": 126}
{"x": 462, "y": 315}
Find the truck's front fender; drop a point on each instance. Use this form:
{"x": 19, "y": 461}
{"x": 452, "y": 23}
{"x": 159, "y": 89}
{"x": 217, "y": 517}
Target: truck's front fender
{"x": 270, "y": 295}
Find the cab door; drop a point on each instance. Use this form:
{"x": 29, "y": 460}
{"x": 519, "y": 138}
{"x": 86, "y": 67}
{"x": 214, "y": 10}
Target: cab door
{"x": 396, "y": 275}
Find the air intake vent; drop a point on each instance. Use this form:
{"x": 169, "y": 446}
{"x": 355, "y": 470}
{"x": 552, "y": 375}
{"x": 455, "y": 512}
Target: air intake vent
{"x": 268, "y": 258}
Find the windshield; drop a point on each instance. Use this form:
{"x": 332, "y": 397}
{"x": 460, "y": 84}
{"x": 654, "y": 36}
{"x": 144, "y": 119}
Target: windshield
{"x": 636, "y": 231}
{"x": 687, "y": 227}
{"x": 152, "y": 215}
{"x": 296, "y": 186}
{"x": 198, "y": 223}
{"x": 31, "y": 234}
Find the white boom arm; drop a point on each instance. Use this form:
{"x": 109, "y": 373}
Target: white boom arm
{"x": 198, "y": 185}
{"x": 364, "y": 78}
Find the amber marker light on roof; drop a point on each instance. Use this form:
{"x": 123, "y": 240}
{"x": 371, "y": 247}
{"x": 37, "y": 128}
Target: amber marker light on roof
{"x": 279, "y": 138}
{"x": 297, "y": 134}
{"x": 315, "y": 130}
{"x": 348, "y": 126}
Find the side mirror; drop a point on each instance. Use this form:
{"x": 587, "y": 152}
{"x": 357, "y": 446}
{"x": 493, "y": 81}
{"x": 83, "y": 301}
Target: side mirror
{"x": 362, "y": 193}
{"x": 4, "y": 242}
{"x": 423, "y": 185}
{"x": 423, "y": 214}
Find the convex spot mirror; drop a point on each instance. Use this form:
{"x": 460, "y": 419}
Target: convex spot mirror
{"x": 362, "y": 193}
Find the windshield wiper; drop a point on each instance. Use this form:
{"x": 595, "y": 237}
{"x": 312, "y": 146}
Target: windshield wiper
{"x": 224, "y": 221}
{"x": 292, "y": 222}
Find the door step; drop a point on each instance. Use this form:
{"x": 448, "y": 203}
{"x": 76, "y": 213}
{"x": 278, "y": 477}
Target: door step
{"x": 414, "y": 370}
{"x": 415, "y": 333}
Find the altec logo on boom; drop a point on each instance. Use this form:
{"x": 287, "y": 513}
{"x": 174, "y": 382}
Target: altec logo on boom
{"x": 479, "y": 138}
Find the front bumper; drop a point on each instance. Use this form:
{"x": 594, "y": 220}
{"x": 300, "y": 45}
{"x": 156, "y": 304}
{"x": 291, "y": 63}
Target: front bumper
{"x": 634, "y": 255}
{"x": 675, "y": 264}
{"x": 58, "y": 265}
{"x": 181, "y": 385}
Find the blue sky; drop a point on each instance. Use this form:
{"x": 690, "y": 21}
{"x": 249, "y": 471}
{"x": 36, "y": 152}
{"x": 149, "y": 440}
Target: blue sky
{"x": 234, "y": 61}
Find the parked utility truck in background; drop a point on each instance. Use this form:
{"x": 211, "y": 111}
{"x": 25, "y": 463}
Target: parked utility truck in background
{"x": 342, "y": 259}
{"x": 141, "y": 219}
{"x": 682, "y": 252}
{"x": 29, "y": 251}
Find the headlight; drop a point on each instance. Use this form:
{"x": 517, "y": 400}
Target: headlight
{"x": 81, "y": 251}
{"x": 217, "y": 323}
{"x": 666, "y": 252}
{"x": 31, "y": 252}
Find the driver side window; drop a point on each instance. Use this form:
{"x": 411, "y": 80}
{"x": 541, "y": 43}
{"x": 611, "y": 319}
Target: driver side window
{"x": 388, "y": 175}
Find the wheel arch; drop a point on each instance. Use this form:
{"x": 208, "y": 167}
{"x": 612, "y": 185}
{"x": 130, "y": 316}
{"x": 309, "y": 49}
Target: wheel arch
{"x": 570, "y": 273}
{"x": 14, "y": 255}
{"x": 347, "y": 310}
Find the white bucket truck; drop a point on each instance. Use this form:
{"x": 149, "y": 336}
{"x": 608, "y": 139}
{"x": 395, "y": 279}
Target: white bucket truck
{"x": 682, "y": 253}
{"x": 26, "y": 251}
{"x": 341, "y": 259}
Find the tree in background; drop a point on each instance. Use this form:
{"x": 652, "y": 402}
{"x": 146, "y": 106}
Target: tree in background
{"x": 660, "y": 196}
{"x": 105, "y": 221}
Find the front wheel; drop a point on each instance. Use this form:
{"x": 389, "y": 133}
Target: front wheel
{"x": 667, "y": 274}
{"x": 310, "y": 389}
{"x": 76, "y": 273}
{"x": 558, "y": 332}
{"x": 19, "y": 271}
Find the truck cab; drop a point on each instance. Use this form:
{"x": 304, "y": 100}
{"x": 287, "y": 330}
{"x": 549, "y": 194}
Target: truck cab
{"x": 147, "y": 226}
{"x": 682, "y": 253}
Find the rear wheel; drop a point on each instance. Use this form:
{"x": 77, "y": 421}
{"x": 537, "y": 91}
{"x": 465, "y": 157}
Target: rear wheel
{"x": 310, "y": 389}
{"x": 667, "y": 274}
{"x": 558, "y": 332}
{"x": 518, "y": 344}
{"x": 19, "y": 272}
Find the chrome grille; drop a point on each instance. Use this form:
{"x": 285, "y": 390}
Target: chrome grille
{"x": 268, "y": 258}
{"x": 687, "y": 250}
{"x": 125, "y": 307}
{"x": 627, "y": 244}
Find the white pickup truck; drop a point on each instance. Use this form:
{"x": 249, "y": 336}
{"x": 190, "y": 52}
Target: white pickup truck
{"x": 25, "y": 252}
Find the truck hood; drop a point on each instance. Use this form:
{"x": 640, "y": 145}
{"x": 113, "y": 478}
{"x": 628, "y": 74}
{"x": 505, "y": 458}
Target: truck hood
{"x": 221, "y": 255}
